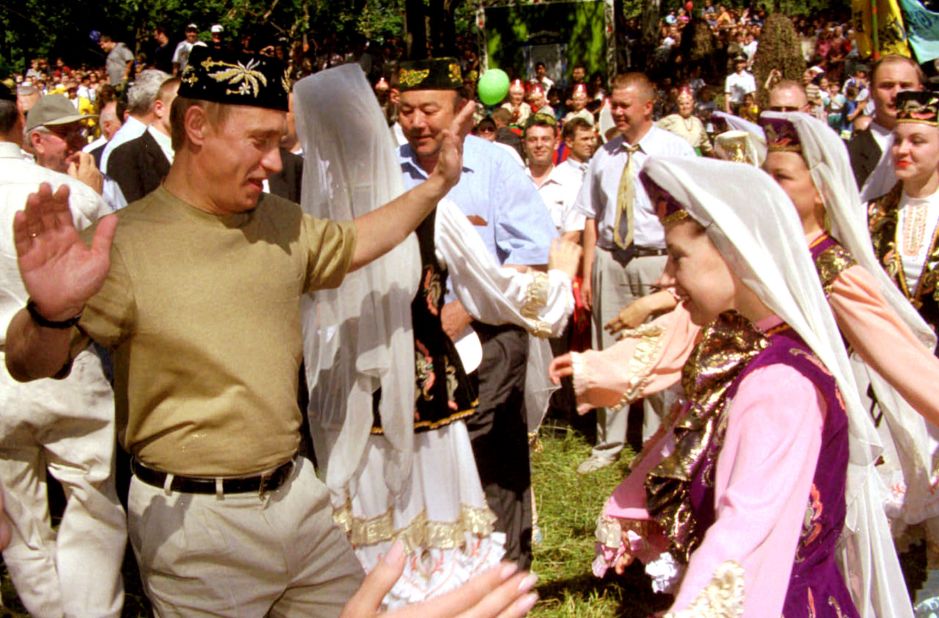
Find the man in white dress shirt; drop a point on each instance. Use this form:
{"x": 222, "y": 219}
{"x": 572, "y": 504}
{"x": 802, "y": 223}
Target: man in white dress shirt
{"x": 624, "y": 242}
{"x": 558, "y": 186}
{"x": 738, "y": 84}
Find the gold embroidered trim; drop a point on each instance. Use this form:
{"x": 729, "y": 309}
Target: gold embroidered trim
{"x": 456, "y": 416}
{"x": 721, "y": 598}
{"x": 420, "y": 533}
{"x": 676, "y": 217}
{"x": 242, "y": 79}
{"x": 830, "y": 263}
{"x": 540, "y": 329}
{"x": 651, "y": 340}
{"x": 536, "y": 296}
{"x": 454, "y": 71}
{"x": 412, "y": 77}
{"x": 726, "y": 347}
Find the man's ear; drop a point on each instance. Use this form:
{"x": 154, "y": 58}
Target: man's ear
{"x": 197, "y": 125}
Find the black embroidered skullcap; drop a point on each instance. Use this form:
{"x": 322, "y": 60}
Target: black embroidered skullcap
{"x": 235, "y": 79}
{"x": 430, "y": 74}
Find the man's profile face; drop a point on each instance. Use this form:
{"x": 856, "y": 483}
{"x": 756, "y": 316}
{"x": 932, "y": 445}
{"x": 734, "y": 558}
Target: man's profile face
{"x": 423, "y": 115}
{"x": 239, "y": 154}
{"x": 540, "y": 143}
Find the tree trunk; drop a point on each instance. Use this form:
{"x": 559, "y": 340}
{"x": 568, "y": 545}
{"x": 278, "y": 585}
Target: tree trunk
{"x": 619, "y": 26}
{"x": 415, "y": 30}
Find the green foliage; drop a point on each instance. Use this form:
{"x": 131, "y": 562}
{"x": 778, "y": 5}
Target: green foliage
{"x": 801, "y": 7}
{"x": 51, "y": 28}
{"x": 780, "y": 48}
{"x": 509, "y": 29}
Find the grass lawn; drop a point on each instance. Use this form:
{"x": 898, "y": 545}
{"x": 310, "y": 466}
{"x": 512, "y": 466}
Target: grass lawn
{"x": 568, "y": 505}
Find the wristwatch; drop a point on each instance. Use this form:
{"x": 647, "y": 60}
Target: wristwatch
{"x": 39, "y": 319}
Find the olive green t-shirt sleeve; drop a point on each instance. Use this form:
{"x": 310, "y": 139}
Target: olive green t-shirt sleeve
{"x": 330, "y": 246}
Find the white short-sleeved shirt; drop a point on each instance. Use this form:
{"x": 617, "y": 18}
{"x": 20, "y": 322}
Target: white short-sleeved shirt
{"x": 597, "y": 198}
{"x": 738, "y": 85}
{"x": 559, "y": 192}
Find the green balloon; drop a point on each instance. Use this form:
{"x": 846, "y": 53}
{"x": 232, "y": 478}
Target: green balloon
{"x": 493, "y": 86}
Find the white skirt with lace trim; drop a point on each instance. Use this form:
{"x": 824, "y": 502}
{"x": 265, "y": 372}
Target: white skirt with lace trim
{"x": 439, "y": 513}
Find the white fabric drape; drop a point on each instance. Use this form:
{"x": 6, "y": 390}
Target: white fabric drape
{"x": 827, "y": 159}
{"x": 754, "y": 225}
{"x": 758, "y": 137}
{"x": 357, "y": 337}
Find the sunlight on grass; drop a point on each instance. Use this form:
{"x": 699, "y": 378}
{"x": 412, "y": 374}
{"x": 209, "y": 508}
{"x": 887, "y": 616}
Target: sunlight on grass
{"x": 568, "y": 505}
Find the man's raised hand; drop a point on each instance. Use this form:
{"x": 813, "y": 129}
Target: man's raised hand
{"x": 450, "y": 161}
{"x": 59, "y": 270}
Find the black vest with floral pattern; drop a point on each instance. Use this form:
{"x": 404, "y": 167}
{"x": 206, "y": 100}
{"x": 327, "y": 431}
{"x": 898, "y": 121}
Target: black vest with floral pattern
{"x": 443, "y": 393}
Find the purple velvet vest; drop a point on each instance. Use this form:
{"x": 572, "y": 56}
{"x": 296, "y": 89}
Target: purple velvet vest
{"x": 816, "y": 586}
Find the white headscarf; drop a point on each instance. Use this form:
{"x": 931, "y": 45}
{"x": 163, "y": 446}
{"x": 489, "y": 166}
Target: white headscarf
{"x": 358, "y": 337}
{"x": 754, "y": 225}
{"x": 757, "y": 137}
{"x": 827, "y": 158}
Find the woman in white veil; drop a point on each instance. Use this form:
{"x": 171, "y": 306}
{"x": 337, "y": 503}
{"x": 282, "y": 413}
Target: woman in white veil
{"x": 886, "y": 335}
{"x": 373, "y": 371}
{"x": 762, "y": 245}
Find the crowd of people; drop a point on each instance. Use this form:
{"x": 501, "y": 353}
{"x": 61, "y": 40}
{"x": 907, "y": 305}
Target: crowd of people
{"x": 227, "y": 261}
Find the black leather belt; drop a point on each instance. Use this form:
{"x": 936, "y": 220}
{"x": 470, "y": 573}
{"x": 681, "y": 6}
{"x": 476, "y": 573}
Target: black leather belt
{"x": 624, "y": 256}
{"x": 261, "y": 484}
{"x": 644, "y": 252}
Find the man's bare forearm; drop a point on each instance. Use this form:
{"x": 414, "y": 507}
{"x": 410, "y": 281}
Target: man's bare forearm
{"x": 34, "y": 352}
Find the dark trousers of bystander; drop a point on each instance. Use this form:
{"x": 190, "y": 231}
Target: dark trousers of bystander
{"x": 499, "y": 433}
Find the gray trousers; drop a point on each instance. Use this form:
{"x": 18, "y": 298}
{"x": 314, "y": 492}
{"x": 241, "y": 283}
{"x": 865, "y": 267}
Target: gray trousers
{"x": 616, "y": 286}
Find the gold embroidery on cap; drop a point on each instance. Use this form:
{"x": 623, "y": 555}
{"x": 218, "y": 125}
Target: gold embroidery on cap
{"x": 412, "y": 77}
{"x": 248, "y": 80}
{"x": 455, "y": 73}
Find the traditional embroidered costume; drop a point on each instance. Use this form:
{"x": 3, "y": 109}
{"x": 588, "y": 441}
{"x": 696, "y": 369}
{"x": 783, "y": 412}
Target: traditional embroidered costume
{"x": 693, "y": 481}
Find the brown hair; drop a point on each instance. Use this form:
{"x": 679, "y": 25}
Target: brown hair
{"x": 573, "y": 125}
{"x": 215, "y": 113}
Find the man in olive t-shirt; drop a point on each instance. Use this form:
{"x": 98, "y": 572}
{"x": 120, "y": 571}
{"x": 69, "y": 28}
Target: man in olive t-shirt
{"x": 195, "y": 289}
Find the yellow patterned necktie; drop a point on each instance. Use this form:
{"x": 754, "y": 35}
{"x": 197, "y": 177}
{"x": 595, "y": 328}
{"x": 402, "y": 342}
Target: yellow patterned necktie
{"x": 625, "y": 197}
